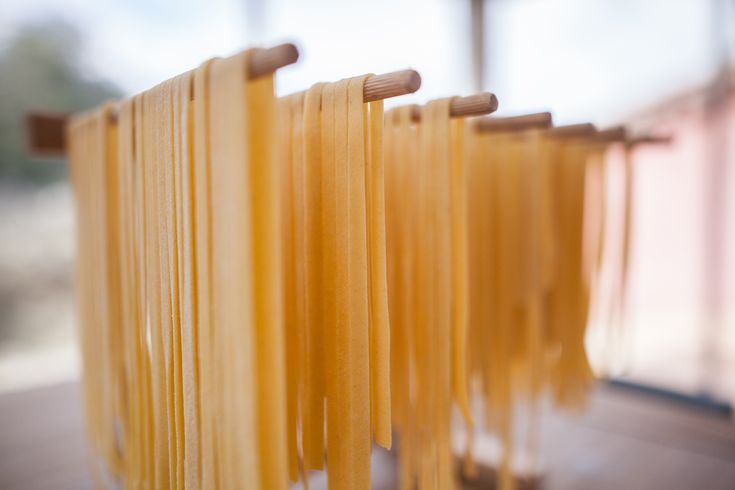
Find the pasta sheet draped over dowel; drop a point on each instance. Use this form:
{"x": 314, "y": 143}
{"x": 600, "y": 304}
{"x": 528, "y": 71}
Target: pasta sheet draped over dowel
{"x": 180, "y": 283}
{"x": 533, "y": 256}
{"x": 337, "y": 331}
{"x": 427, "y": 250}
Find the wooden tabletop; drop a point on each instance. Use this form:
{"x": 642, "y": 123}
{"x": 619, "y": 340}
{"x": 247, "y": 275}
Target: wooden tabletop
{"x": 623, "y": 441}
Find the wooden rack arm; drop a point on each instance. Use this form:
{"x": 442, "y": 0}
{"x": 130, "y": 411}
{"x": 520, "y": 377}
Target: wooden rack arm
{"x": 617, "y": 134}
{"x": 473, "y": 105}
{"x": 584, "y": 130}
{"x": 470, "y": 105}
{"x": 538, "y": 120}
{"x": 648, "y": 139}
{"x": 387, "y": 85}
{"x": 265, "y": 61}
{"x": 46, "y": 134}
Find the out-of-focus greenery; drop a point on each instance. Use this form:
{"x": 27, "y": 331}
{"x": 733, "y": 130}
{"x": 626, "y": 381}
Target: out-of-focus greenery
{"x": 40, "y": 69}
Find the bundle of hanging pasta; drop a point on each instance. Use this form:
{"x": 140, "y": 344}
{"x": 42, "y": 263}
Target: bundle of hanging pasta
{"x": 427, "y": 263}
{"x": 533, "y": 253}
{"x": 337, "y": 331}
{"x": 180, "y": 283}
{"x": 233, "y": 296}
{"x": 611, "y": 339}
{"x": 491, "y": 233}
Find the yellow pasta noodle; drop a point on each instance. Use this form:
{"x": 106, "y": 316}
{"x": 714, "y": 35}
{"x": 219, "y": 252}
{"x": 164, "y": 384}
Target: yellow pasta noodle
{"x": 532, "y": 255}
{"x": 427, "y": 242}
{"x": 337, "y": 331}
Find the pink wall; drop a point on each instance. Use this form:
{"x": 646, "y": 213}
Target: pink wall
{"x": 675, "y": 337}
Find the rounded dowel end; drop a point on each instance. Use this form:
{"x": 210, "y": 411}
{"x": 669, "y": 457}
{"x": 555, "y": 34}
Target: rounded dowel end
{"x": 379, "y": 87}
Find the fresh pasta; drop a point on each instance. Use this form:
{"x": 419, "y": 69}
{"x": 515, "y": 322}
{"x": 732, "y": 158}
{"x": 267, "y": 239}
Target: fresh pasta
{"x": 233, "y": 292}
{"x": 178, "y": 202}
{"x": 269, "y": 287}
{"x": 427, "y": 239}
{"x": 533, "y": 256}
{"x": 334, "y": 245}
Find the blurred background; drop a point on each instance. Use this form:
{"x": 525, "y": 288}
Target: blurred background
{"x": 654, "y": 65}
{"x": 664, "y": 66}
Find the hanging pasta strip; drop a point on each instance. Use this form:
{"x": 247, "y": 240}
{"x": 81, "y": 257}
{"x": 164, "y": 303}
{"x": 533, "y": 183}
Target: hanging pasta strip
{"x": 437, "y": 114}
{"x": 628, "y": 190}
{"x": 291, "y": 326}
{"x": 188, "y": 408}
{"x": 427, "y": 241}
{"x": 458, "y": 192}
{"x": 329, "y": 272}
{"x": 126, "y": 242}
{"x": 202, "y": 224}
{"x": 299, "y": 249}
{"x": 168, "y": 273}
{"x": 358, "y": 277}
{"x": 378, "y": 294}
{"x": 342, "y": 444}
{"x": 143, "y": 335}
{"x": 153, "y": 264}
{"x": 315, "y": 390}
{"x": 247, "y": 289}
{"x": 507, "y": 286}
{"x": 264, "y": 180}
{"x": 400, "y": 192}
{"x": 536, "y": 242}
{"x": 89, "y": 156}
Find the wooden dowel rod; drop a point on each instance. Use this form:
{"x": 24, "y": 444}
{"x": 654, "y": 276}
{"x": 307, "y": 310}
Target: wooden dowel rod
{"x": 265, "y": 61}
{"x": 392, "y": 84}
{"x": 539, "y": 120}
{"x": 649, "y": 140}
{"x": 473, "y": 105}
{"x": 584, "y": 130}
{"x": 470, "y": 105}
{"x": 46, "y": 134}
{"x": 617, "y": 134}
